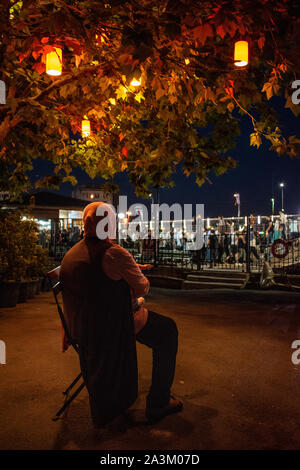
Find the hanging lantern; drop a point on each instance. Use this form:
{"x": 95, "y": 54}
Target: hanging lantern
{"x": 85, "y": 128}
{"x": 54, "y": 62}
{"x": 135, "y": 82}
{"x": 241, "y": 53}
{"x": 186, "y": 61}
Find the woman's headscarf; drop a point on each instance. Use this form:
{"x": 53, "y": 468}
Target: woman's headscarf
{"x": 99, "y": 220}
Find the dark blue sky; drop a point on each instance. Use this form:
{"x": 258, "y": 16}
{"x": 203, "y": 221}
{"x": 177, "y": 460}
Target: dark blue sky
{"x": 257, "y": 175}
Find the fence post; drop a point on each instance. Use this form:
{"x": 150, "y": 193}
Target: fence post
{"x": 248, "y": 246}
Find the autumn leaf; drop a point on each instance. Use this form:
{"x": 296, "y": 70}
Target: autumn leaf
{"x": 220, "y": 31}
{"x": 159, "y": 92}
{"x": 255, "y": 139}
{"x": 202, "y": 32}
{"x": 139, "y": 97}
{"x": 229, "y": 91}
{"x": 261, "y": 42}
{"x": 268, "y": 89}
{"x": 36, "y": 54}
{"x": 121, "y": 92}
{"x": 271, "y": 88}
{"x": 230, "y": 107}
{"x": 78, "y": 59}
{"x": 39, "y": 67}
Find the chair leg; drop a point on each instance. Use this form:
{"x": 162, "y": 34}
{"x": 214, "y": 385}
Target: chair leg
{"x": 72, "y": 384}
{"x": 68, "y": 402}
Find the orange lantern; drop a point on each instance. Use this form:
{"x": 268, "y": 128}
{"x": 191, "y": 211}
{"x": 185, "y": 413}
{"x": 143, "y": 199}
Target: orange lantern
{"x": 54, "y": 62}
{"x": 241, "y": 53}
{"x": 85, "y": 128}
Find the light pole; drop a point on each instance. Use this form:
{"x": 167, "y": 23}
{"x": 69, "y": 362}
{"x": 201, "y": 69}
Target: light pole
{"x": 238, "y": 202}
{"x": 273, "y": 205}
{"x": 282, "y": 186}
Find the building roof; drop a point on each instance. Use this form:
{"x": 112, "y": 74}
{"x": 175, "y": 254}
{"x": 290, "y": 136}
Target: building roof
{"x": 97, "y": 187}
{"x": 48, "y": 199}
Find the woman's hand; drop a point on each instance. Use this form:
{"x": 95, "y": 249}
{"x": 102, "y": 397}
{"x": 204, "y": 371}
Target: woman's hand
{"x": 145, "y": 267}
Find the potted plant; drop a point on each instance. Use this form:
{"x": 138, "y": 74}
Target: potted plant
{"x": 22, "y": 260}
{"x": 35, "y": 258}
{"x": 38, "y": 266}
{"x": 12, "y": 262}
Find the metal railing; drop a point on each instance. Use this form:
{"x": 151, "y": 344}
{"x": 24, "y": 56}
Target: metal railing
{"x": 244, "y": 251}
{"x": 229, "y": 243}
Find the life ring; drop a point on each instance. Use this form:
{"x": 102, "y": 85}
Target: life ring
{"x": 275, "y": 244}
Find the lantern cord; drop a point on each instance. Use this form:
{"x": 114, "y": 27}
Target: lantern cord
{"x": 243, "y": 109}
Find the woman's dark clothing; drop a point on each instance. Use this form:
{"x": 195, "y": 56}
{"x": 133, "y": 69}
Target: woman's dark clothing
{"x": 99, "y": 317}
{"x": 160, "y": 333}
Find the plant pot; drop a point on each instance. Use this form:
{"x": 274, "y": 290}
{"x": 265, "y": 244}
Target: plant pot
{"x": 23, "y": 295}
{"x": 9, "y": 293}
{"x": 31, "y": 288}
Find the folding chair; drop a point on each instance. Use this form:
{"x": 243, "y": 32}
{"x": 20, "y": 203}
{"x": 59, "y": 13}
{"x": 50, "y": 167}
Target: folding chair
{"x": 55, "y": 283}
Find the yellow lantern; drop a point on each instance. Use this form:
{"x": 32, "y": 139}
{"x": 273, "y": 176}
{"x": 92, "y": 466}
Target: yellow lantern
{"x": 85, "y": 128}
{"x": 186, "y": 61}
{"x": 135, "y": 82}
{"x": 241, "y": 53}
{"x": 54, "y": 62}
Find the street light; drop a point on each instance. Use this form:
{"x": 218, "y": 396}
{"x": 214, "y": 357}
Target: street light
{"x": 273, "y": 205}
{"x": 237, "y": 202}
{"x": 282, "y": 186}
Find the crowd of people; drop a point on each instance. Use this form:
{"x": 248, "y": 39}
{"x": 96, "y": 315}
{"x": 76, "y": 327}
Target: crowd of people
{"x": 69, "y": 237}
{"x": 225, "y": 240}
{"x": 62, "y": 239}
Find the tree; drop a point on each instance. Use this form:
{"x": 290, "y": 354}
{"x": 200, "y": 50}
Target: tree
{"x": 187, "y": 108}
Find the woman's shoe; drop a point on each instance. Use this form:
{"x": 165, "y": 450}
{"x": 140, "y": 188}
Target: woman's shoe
{"x": 155, "y": 414}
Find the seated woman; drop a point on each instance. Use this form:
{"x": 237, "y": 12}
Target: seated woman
{"x": 99, "y": 278}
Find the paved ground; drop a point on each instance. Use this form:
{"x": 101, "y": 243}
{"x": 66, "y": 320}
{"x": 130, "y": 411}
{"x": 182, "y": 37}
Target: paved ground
{"x": 234, "y": 373}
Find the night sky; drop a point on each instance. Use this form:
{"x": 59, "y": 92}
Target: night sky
{"x": 256, "y": 177}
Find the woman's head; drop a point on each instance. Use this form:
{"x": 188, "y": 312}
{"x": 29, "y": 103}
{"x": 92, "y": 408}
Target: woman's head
{"x": 99, "y": 221}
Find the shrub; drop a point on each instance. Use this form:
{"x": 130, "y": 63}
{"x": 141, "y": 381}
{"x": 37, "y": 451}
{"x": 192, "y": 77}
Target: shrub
{"x": 20, "y": 256}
